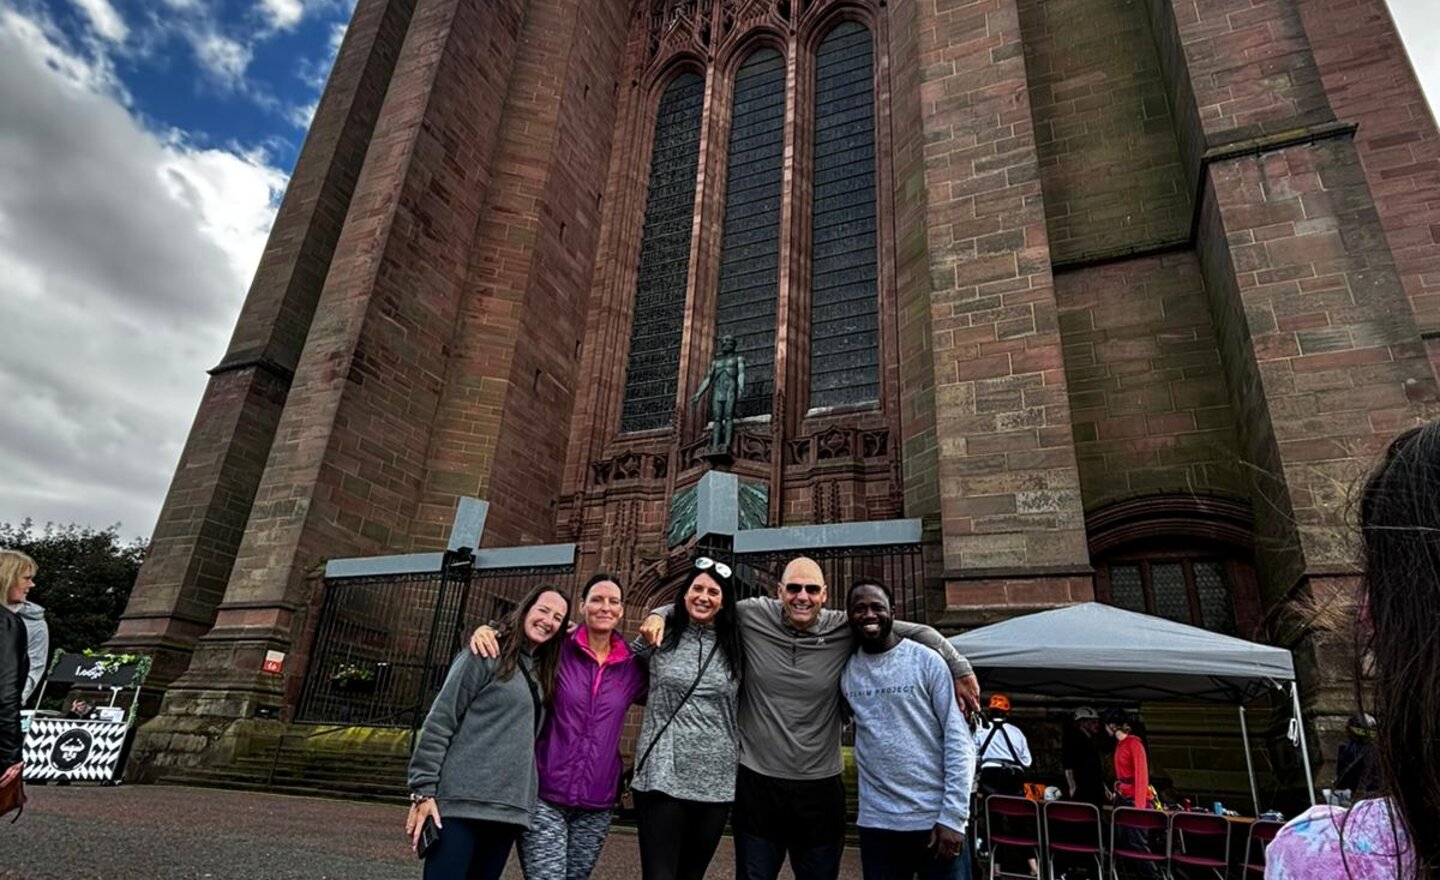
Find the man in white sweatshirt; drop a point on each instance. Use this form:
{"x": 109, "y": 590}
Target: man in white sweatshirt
{"x": 914, "y": 752}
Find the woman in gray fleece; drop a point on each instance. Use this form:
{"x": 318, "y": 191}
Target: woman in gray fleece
{"x": 473, "y": 769}
{"x": 687, "y": 751}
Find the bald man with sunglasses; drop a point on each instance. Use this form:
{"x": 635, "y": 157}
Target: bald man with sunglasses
{"x": 789, "y": 797}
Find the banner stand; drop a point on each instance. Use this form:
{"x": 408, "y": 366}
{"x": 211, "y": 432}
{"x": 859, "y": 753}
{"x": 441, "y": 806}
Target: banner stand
{"x": 84, "y": 749}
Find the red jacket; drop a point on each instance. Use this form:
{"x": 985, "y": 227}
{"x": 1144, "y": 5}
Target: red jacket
{"x": 1132, "y": 773}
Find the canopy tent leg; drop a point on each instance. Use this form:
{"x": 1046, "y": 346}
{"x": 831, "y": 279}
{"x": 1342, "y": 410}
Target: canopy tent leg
{"x": 1304, "y": 746}
{"x": 1249, "y": 761}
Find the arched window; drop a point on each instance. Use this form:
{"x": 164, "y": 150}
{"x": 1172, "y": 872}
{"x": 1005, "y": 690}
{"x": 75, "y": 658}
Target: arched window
{"x": 844, "y": 334}
{"x": 660, "y": 293}
{"x": 1187, "y": 559}
{"x": 750, "y": 243}
{"x": 1186, "y": 585}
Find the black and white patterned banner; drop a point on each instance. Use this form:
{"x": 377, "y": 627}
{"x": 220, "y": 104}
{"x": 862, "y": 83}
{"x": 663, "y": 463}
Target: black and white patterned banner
{"x": 64, "y": 748}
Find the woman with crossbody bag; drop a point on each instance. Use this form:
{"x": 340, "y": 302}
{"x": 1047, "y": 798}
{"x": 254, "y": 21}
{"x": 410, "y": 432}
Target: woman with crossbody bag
{"x": 688, "y": 748}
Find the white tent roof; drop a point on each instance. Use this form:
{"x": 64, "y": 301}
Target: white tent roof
{"x": 1092, "y": 650}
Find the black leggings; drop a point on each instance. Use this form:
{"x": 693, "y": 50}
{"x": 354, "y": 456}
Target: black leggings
{"x": 677, "y": 838}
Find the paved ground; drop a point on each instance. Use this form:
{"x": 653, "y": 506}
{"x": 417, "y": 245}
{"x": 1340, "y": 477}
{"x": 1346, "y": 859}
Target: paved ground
{"x": 158, "y": 832}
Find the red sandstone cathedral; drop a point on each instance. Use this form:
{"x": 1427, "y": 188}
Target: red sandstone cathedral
{"x": 1117, "y": 298}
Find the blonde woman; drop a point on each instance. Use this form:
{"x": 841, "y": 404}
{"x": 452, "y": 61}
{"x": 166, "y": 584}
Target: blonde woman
{"x": 17, "y": 576}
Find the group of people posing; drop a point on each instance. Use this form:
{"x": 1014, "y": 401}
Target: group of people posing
{"x": 744, "y": 710}
{"x": 744, "y": 700}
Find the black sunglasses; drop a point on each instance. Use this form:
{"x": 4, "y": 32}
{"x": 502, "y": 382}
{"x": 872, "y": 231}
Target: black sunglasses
{"x": 810, "y": 589}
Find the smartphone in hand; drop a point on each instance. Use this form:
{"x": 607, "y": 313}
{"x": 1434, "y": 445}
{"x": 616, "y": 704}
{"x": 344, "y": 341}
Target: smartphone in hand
{"x": 429, "y": 836}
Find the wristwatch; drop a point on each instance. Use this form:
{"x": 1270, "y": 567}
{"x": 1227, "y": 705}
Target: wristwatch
{"x": 418, "y": 798}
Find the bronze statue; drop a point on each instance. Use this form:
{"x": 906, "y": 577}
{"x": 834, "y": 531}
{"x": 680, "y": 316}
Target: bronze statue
{"x": 726, "y": 381}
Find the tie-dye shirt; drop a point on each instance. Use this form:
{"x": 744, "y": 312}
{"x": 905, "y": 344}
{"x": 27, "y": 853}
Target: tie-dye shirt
{"x": 1309, "y": 846}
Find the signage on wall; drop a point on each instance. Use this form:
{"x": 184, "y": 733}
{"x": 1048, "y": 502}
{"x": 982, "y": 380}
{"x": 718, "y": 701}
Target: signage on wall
{"x": 274, "y": 662}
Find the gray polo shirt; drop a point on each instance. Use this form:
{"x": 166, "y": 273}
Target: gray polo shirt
{"x": 790, "y": 696}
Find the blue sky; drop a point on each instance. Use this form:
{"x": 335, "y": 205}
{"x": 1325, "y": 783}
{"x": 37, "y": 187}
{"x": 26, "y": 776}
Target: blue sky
{"x": 240, "y": 73}
{"x": 144, "y": 148}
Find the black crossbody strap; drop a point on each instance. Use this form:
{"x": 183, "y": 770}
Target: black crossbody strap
{"x": 666, "y": 726}
{"x": 998, "y": 727}
{"x": 994, "y": 729}
{"x": 1014, "y": 756}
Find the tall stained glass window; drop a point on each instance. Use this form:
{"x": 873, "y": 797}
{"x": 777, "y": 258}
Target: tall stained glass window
{"x": 654, "y": 363}
{"x": 750, "y": 243}
{"x": 844, "y": 335}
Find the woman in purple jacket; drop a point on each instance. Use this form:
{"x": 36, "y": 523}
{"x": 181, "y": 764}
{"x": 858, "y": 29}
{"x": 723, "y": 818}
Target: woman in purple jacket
{"x": 578, "y": 751}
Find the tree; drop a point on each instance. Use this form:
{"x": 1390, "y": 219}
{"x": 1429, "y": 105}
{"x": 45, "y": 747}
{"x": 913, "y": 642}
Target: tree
{"x": 84, "y": 580}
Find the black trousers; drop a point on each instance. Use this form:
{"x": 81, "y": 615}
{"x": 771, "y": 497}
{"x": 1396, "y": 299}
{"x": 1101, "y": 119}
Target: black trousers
{"x": 803, "y": 819}
{"x": 678, "y": 838}
{"x": 471, "y": 849}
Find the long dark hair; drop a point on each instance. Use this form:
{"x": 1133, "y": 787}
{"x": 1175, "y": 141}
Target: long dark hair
{"x": 1398, "y": 628}
{"x": 727, "y": 621}
{"x": 546, "y": 657}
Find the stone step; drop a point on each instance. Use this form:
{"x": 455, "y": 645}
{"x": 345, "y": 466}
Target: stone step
{"x": 347, "y": 790}
{"x": 351, "y": 764}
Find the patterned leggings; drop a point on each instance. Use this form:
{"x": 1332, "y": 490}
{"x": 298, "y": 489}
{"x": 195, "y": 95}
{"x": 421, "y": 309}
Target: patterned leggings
{"x": 563, "y": 842}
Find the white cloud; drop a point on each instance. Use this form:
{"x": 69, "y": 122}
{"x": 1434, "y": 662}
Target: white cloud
{"x": 301, "y": 117}
{"x": 94, "y": 73}
{"x": 282, "y": 15}
{"x": 314, "y": 71}
{"x": 224, "y": 58}
{"x": 104, "y": 19}
{"x": 124, "y": 257}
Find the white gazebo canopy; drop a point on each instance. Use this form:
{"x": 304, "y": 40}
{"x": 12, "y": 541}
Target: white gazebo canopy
{"x": 1095, "y": 651}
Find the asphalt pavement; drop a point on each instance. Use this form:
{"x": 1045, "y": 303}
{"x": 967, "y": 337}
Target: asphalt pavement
{"x": 159, "y": 832}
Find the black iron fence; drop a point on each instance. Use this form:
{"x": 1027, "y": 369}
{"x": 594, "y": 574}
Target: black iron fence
{"x": 901, "y": 567}
{"x": 383, "y": 644}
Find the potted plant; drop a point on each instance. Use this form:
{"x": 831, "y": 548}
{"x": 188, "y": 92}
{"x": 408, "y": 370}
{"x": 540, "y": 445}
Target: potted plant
{"x": 353, "y": 678}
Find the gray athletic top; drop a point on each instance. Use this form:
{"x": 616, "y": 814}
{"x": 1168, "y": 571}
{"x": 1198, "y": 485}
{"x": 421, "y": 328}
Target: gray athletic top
{"x": 790, "y": 696}
{"x": 694, "y": 759}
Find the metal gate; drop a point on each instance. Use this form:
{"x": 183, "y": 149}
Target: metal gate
{"x": 384, "y": 643}
{"x": 901, "y": 567}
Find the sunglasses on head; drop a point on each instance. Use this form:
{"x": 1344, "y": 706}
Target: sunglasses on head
{"x": 810, "y": 589}
{"x": 705, "y": 563}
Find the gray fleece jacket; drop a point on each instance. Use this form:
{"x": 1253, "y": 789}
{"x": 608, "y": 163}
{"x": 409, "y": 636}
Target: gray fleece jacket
{"x": 476, "y": 753}
{"x": 37, "y": 633}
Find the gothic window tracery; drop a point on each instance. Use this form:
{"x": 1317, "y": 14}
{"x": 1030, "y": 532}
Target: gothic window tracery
{"x": 750, "y": 244}
{"x": 830, "y": 307}
{"x": 659, "y": 319}
{"x": 844, "y": 317}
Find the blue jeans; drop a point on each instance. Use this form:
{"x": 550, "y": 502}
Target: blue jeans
{"x": 470, "y": 849}
{"x": 906, "y": 855}
{"x": 760, "y": 858}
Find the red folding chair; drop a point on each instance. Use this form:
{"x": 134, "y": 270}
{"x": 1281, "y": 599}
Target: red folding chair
{"x": 1261, "y": 832}
{"x": 1200, "y": 840}
{"x": 1013, "y": 822}
{"x": 1073, "y": 829}
{"x": 1150, "y": 828}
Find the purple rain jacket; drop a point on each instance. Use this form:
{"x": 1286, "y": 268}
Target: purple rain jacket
{"x": 578, "y": 752}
